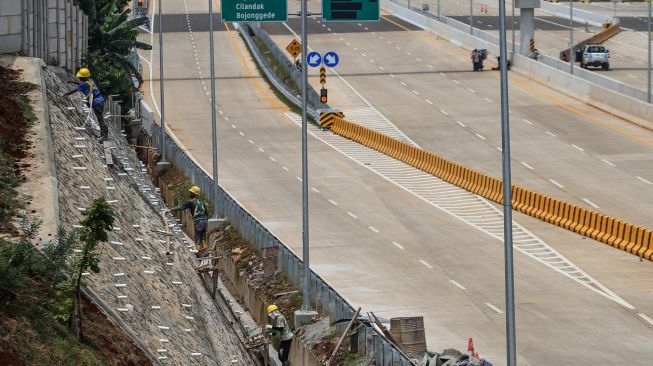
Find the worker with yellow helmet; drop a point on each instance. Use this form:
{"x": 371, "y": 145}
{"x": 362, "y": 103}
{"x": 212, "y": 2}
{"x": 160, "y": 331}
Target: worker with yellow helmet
{"x": 200, "y": 217}
{"x": 93, "y": 96}
{"x": 280, "y": 326}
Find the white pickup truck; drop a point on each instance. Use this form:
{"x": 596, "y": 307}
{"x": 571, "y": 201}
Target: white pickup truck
{"x": 595, "y": 55}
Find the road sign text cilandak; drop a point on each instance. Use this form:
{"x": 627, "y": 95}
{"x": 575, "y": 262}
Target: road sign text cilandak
{"x": 254, "y": 10}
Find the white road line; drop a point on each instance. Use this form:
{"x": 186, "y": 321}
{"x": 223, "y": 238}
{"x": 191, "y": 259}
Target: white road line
{"x": 428, "y": 101}
{"x": 488, "y": 100}
{"x": 233, "y": 126}
{"x": 429, "y": 66}
{"x": 645, "y": 317}
{"x": 418, "y": 59}
{"x": 241, "y": 133}
{"x": 398, "y": 245}
{"x": 415, "y": 92}
{"x": 352, "y": 215}
{"x": 261, "y": 149}
{"x": 381, "y": 68}
{"x": 392, "y": 75}
{"x": 373, "y": 229}
{"x": 493, "y": 308}
{"x": 402, "y": 83}
{"x": 284, "y": 168}
{"x": 556, "y": 184}
{"x": 273, "y": 159}
{"x": 457, "y": 82}
{"x": 299, "y": 178}
{"x": 607, "y": 162}
{"x": 527, "y": 121}
{"x": 480, "y": 136}
{"x": 444, "y": 112}
{"x": 333, "y": 202}
{"x": 348, "y": 44}
{"x": 458, "y": 285}
{"x": 461, "y": 124}
{"x": 644, "y": 180}
{"x": 426, "y": 264}
{"x": 577, "y": 147}
{"x": 498, "y": 148}
{"x": 315, "y": 190}
{"x": 471, "y": 90}
{"x": 527, "y": 166}
{"x": 250, "y": 141}
{"x": 372, "y": 61}
{"x": 590, "y": 203}
{"x": 551, "y": 134}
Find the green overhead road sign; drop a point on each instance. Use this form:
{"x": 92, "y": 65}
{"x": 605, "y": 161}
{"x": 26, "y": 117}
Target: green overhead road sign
{"x": 350, "y": 10}
{"x": 254, "y": 10}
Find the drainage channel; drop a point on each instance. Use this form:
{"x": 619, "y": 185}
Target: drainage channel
{"x": 468, "y": 207}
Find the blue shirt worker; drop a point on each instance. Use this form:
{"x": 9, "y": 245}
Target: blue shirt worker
{"x": 94, "y": 98}
{"x": 280, "y": 326}
{"x": 200, "y": 217}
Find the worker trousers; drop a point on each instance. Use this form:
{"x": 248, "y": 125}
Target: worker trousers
{"x": 284, "y": 350}
{"x": 200, "y": 231}
{"x": 99, "y": 114}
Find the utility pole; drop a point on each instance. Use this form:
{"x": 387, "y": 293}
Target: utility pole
{"x": 471, "y": 17}
{"x": 214, "y": 125}
{"x": 572, "y": 53}
{"x": 513, "y": 26}
{"x": 162, "y": 165}
{"x": 507, "y": 193}
{"x": 649, "y": 53}
{"x": 305, "y": 236}
{"x": 438, "y": 9}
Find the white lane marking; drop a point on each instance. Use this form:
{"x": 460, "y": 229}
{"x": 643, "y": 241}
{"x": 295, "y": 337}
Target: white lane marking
{"x": 493, "y": 308}
{"x": 556, "y": 184}
{"x": 352, "y": 215}
{"x": 398, "y": 245}
{"x": 372, "y": 61}
{"x": 402, "y": 83}
{"x": 607, "y": 162}
{"x": 429, "y": 66}
{"x": 590, "y": 203}
{"x": 461, "y": 124}
{"x": 418, "y": 59}
{"x": 645, "y": 317}
{"x": 241, "y": 133}
{"x": 444, "y": 112}
{"x": 415, "y": 92}
{"x": 428, "y": 101}
{"x": 364, "y": 55}
{"x": 457, "y": 82}
{"x": 551, "y": 134}
{"x": 577, "y": 147}
{"x": 458, "y": 285}
{"x": 498, "y": 148}
{"x": 392, "y": 75}
{"x": 355, "y": 49}
{"x": 261, "y": 149}
{"x": 348, "y": 44}
{"x": 315, "y": 190}
{"x": 226, "y": 118}
{"x": 284, "y": 168}
{"x": 299, "y": 178}
{"x": 488, "y": 100}
{"x": 426, "y": 264}
{"x": 397, "y": 47}
{"x": 644, "y": 180}
{"x": 233, "y": 126}
{"x": 527, "y": 166}
{"x": 527, "y": 121}
{"x": 632, "y": 76}
{"x": 273, "y": 159}
{"x": 250, "y": 141}
{"x": 333, "y": 202}
{"x": 480, "y": 136}
{"x": 471, "y": 90}
{"x": 373, "y": 229}
{"x": 381, "y": 68}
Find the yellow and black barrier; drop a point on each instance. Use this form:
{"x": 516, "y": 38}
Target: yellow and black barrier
{"x": 327, "y": 118}
{"x": 609, "y": 230}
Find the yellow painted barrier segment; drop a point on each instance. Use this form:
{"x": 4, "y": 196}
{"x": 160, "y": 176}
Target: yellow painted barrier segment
{"x": 625, "y": 236}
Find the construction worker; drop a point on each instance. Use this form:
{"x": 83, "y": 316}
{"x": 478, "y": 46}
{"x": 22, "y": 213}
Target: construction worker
{"x": 477, "y": 60}
{"x": 280, "y": 326}
{"x": 200, "y": 217}
{"x": 93, "y": 96}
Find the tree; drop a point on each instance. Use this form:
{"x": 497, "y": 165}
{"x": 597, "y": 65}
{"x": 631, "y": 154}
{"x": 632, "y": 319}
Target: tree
{"x": 95, "y": 226}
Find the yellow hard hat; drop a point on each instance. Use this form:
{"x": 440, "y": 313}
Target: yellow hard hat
{"x": 83, "y": 73}
{"x": 272, "y": 308}
{"x": 195, "y": 190}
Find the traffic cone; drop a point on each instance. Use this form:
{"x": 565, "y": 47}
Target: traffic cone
{"x": 476, "y": 355}
{"x": 470, "y": 347}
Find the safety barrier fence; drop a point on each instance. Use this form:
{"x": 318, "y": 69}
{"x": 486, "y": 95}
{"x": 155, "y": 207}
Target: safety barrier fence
{"x": 606, "y": 229}
{"x": 323, "y": 296}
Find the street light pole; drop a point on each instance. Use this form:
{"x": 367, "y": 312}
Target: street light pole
{"x": 471, "y": 16}
{"x": 507, "y": 193}
{"x": 305, "y": 236}
{"x": 513, "y": 26}
{"x": 572, "y": 54}
{"x": 214, "y": 125}
{"x": 162, "y": 147}
{"x": 648, "y": 94}
{"x": 438, "y": 9}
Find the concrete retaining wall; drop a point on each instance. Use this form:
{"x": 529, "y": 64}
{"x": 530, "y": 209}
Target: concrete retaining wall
{"x": 53, "y": 30}
{"x": 585, "y": 85}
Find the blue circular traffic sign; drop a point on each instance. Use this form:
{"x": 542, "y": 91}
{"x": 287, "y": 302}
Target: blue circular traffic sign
{"x": 331, "y": 59}
{"x": 313, "y": 59}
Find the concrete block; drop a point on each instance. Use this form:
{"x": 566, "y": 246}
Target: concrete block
{"x": 10, "y": 43}
{"x": 303, "y": 317}
{"x": 10, "y": 7}
{"x": 525, "y": 4}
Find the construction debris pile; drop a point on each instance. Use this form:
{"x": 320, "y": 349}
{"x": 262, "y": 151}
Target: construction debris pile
{"x": 147, "y": 283}
{"x": 453, "y": 357}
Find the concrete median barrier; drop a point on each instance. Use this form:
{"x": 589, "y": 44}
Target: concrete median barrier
{"x": 625, "y": 236}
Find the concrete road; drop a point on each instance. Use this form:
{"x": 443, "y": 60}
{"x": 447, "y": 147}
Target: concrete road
{"x": 387, "y": 249}
{"x": 628, "y": 50}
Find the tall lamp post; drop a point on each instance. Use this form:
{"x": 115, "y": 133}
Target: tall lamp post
{"x": 214, "y": 126}
{"x": 648, "y": 94}
{"x": 572, "y": 54}
{"x": 471, "y": 16}
{"x": 305, "y": 236}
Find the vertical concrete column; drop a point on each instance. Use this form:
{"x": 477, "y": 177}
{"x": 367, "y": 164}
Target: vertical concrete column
{"x": 526, "y": 24}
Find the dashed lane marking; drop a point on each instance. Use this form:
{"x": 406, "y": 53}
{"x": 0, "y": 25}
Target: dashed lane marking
{"x": 556, "y": 184}
{"x": 426, "y": 264}
{"x": 398, "y": 245}
{"x": 333, "y": 202}
{"x": 494, "y": 308}
{"x": 352, "y": 215}
{"x": 373, "y": 229}
{"x": 590, "y": 203}
{"x": 458, "y": 285}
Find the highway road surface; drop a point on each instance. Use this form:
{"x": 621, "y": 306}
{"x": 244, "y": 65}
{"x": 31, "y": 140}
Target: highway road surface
{"x": 397, "y": 241}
